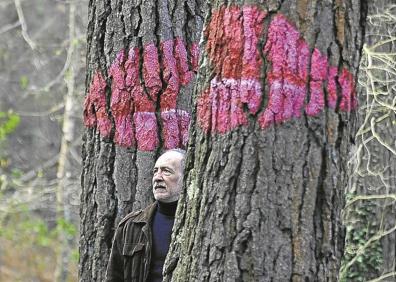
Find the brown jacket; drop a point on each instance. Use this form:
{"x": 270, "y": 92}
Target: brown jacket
{"x": 131, "y": 251}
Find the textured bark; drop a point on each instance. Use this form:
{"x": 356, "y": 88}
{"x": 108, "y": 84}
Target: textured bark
{"x": 140, "y": 61}
{"x": 370, "y": 212}
{"x": 264, "y": 189}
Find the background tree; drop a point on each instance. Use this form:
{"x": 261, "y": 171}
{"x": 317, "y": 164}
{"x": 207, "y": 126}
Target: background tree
{"x": 42, "y": 51}
{"x": 67, "y": 164}
{"x": 141, "y": 59}
{"x": 271, "y": 136}
{"x": 370, "y": 208}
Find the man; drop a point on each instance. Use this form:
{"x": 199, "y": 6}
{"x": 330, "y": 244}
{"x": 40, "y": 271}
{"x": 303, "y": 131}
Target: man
{"x": 142, "y": 238}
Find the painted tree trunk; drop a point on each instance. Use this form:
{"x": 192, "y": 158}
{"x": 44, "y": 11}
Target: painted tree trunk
{"x": 142, "y": 58}
{"x": 273, "y": 120}
{"x": 370, "y": 251}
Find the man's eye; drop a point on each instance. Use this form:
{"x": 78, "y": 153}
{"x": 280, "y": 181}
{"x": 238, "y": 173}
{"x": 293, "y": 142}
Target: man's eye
{"x": 167, "y": 172}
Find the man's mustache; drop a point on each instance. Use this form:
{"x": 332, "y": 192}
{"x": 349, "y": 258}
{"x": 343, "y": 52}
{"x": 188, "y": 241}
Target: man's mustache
{"x": 159, "y": 184}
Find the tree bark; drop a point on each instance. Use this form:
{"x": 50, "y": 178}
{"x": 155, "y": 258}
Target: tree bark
{"x": 273, "y": 121}
{"x": 141, "y": 60}
{"x": 370, "y": 211}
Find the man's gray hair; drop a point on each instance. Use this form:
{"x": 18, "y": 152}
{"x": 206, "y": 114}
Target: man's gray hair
{"x": 181, "y": 152}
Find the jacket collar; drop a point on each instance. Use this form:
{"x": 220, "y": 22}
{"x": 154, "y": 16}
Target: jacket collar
{"x": 146, "y": 215}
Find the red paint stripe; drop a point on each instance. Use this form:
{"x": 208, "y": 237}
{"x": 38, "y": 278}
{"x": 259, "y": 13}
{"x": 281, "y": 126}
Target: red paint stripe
{"x": 170, "y": 127}
{"x": 121, "y": 102}
{"x": 132, "y": 79}
{"x": 175, "y": 125}
{"x": 233, "y": 36}
{"x": 221, "y": 107}
{"x": 95, "y": 106}
{"x": 194, "y": 53}
{"x": 232, "y": 29}
{"x": 170, "y": 75}
{"x": 185, "y": 74}
{"x": 319, "y": 67}
{"x": 252, "y": 27}
{"x": 132, "y": 108}
{"x": 250, "y": 91}
{"x": 184, "y": 124}
{"x": 151, "y": 71}
{"x": 142, "y": 101}
{"x": 204, "y": 111}
{"x": 348, "y": 91}
{"x": 316, "y": 103}
{"x": 332, "y": 87}
{"x": 289, "y": 57}
{"x": 89, "y": 116}
{"x": 146, "y": 131}
{"x": 232, "y": 47}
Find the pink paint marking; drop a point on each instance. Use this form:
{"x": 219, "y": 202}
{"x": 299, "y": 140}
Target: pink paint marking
{"x": 250, "y": 91}
{"x": 151, "y": 71}
{"x": 236, "y": 113}
{"x": 289, "y": 56}
{"x": 184, "y": 124}
{"x": 170, "y": 129}
{"x": 281, "y": 46}
{"x": 95, "y": 113}
{"x": 348, "y": 92}
{"x": 89, "y": 111}
{"x": 221, "y": 102}
{"x": 215, "y": 34}
{"x": 344, "y": 81}
{"x": 319, "y": 68}
{"x": 132, "y": 80}
{"x": 121, "y": 103}
{"x": 132, "y": 108}
{"x": 175, "y": 125}
{"x": 316, "y": 102}
{"x": 225, "y": 42}
{"x": 204, "y": 111}
{"x": 146, "y": 130}
{"x": 221, "y": 107}
{"x": 185, "y": 74}
{"x": 252, "y": 29}
{"x": 194, "y": 54}
{"x": 142, "y": 101}
{"x": 232, "y": 48}
{"x": 232, "y": 53}
{"x": 117, "y": 72}
{"x": 171, "y": 77}
{"x": 332, "y": 87}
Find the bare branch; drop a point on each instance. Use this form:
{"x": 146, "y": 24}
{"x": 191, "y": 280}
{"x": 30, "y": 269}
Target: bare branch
{"x": 41, "y": 114}
{"x": 383, "y": 277}
{"x": 9, "y": 27}
{"x": 22, "y": 22}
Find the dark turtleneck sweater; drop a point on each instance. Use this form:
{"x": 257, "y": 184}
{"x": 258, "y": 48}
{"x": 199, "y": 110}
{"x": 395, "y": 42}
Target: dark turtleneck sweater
{"x": 162, "y": 224}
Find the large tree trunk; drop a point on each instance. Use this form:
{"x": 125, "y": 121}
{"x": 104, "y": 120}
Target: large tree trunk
{"x": 370, "y": 251}
{"x": 141, "y": 60}
{"x": 271, "y": 131}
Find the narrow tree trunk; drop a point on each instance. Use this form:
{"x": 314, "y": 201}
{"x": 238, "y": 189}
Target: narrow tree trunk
{"x": 141, "y": 60}
{"x": 370, "y": 251}
{"x": 270, "y": 139}
{"x": 67, "y": 188}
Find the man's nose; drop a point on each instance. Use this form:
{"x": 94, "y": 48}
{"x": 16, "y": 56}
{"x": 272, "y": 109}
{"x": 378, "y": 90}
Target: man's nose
{"x": 158, "y": 175}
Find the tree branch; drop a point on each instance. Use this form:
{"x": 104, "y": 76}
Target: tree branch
{"x": 9, "y": 27}
{"x": 22, "y": 22}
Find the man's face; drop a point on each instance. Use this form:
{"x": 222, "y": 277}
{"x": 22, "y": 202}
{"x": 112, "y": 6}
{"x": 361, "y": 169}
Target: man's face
{"x": 167, "y": 178}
